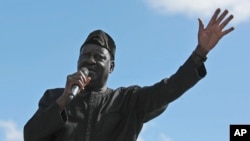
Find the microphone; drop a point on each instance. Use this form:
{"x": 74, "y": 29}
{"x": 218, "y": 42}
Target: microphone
{"x": 75, "y": 88}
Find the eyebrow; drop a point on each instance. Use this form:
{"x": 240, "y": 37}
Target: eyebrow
{"x": 99, "y": 52}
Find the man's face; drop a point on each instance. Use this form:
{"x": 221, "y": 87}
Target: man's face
{"x": 98, "y": 61}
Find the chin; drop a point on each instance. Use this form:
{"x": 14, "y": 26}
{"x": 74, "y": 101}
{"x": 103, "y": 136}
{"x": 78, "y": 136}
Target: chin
{"x": 91, "y": 84}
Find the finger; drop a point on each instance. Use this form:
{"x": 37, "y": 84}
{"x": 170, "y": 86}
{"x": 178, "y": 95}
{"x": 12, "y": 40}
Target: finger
{"x": 87, "y": 81}
{"x": 77, "y": 76}
{"x": 227, "y": 31}
{"x": 75, "y": 79}
{"x": 82, "y": 79}
{"x": 226, "y": 21}
{"x": 83, "y": 76}
{"x": 201, "y": 25}
{"x": 214, "y": 17}
{"x": 222, "y": 16}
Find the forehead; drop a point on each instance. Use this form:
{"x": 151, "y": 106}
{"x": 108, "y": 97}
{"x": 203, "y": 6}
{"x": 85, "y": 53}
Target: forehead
{"x": 93, "y": 48}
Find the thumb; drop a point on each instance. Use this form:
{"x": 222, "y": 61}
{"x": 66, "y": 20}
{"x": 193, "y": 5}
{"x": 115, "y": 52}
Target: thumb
{"x": 87, "y": 81}
{"x": 201, "y": 25}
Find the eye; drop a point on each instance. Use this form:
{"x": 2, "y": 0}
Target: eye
{"x": 84, "y": 55}
{"x": 100, "y": 57}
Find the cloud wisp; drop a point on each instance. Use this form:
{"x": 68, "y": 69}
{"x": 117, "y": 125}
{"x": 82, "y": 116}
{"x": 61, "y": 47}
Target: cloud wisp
{"x": 164, "y": 137}
{"x": 148, "y": 128}
{"x": 203, "y": 9}
{"x": 11, "y": 132}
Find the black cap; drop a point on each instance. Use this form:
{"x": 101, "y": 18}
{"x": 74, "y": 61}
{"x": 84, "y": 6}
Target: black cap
{"x": 103, "y": 39}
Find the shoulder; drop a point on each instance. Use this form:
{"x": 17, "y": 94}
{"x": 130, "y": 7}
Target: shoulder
{"x": 126, "y": 89}
{"x": 55, "y": 90}
{"x": 51, "y": 95}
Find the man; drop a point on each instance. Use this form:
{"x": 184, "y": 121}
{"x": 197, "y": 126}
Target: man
{"x": 98, "y": 113}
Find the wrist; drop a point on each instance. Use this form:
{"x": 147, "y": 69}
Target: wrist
{"x": 200, "y": 51}
{"x": 198, "y": 58}
{"x": 62, "y": 101}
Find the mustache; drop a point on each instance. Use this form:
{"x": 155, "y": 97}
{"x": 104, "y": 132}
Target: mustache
{"x": 89, "y": 67}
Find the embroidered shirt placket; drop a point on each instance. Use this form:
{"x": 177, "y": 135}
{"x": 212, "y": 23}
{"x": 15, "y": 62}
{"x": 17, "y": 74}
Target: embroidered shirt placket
{"x": 90, "y": 115}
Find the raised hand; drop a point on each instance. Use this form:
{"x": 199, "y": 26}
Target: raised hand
{"x": 208, "y": 37}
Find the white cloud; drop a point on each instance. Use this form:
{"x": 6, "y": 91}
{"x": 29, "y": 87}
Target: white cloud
{"x": 148, "y": 129}
{"x": 140, "y": 139}
{"x": 11, "y": 132}
{"x": 203, "y": 8}
{"x": 164, "y": 137}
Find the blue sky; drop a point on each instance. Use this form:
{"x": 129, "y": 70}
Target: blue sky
{"x": 39, "y": 47}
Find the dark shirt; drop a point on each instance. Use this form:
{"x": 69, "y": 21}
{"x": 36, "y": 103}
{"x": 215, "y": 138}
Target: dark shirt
{"x": 114, "y": 115}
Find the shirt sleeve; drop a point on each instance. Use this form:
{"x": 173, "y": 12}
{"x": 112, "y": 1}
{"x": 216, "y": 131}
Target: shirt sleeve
{"x": 153, "y": 100}
{"x": 47, "y": 119}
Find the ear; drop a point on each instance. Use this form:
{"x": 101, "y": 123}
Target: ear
{"x": 112, "y": 66}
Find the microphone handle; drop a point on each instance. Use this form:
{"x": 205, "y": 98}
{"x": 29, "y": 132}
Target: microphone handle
{"x": 75, "y": 88}
{"x": 74, "y": 91}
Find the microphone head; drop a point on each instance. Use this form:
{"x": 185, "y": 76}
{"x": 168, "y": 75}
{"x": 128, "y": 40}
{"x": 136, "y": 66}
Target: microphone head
{"x": 85, "y": 71}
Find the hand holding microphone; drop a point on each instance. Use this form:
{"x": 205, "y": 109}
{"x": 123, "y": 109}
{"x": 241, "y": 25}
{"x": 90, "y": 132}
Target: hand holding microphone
{"x": 75, "y": 88}
{"x": 74, "y": 84}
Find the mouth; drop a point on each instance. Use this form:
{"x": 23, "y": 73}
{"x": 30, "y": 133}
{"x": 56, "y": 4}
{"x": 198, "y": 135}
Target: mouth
{"x": 91, "y": 71}
{"x": 92, "y": 74}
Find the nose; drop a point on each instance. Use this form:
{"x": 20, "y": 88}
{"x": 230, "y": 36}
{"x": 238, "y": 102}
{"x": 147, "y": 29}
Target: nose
{"x": 91, "y": 60}
{"x": 86, "y": 61}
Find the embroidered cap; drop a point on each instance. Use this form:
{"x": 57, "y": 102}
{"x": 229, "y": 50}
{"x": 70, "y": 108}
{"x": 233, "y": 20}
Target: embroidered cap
{"x": 103, "y": 39}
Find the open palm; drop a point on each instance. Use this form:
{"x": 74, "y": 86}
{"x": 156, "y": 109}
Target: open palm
{"x": 208, "y": 37}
